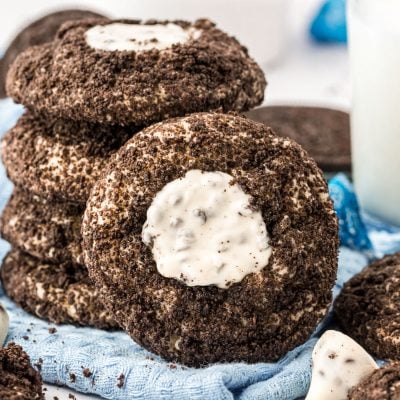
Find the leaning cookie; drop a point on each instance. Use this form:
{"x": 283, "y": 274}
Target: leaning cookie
{"x": 40, "y": 31}
{"x": 367, "y": 309}
{"x": 383, "y": 384}
{"x": 47, "y": 230}
{"x": 131, "y": 72}
{"x": 59, "y": 293}
{"x": 59, "y": 159}
{"x": 323, "y": 132}
{"x": 18, "y": 379}
{"x": 229, "y": 254}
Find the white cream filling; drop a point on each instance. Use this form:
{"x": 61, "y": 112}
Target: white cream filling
{"x": 203, "y": 232}
{"x": 138, "y": 37}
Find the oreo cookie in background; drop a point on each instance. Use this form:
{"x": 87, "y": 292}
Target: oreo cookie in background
{"x": 323, "y": 132}
{"x": 40, "y": 31}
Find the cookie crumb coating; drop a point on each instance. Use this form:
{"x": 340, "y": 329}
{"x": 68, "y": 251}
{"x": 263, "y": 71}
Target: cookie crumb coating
{"x": 368, "y": 307}
{"x": 40, "y": 31}
{"x": 267, "y": 313}
{"x": 383, "y": 384}
{"x": 59, "y": 293}
{"x": 69, "y": 79}
{"x": 59, "y": 159}
{"x": 18, "y": 379}
{"x": 49, "y": 231}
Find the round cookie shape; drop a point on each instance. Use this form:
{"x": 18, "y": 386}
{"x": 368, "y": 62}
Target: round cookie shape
{"x": 70, "y": 79}
{"x": 59, "y": 293}
{"x": 49, "y": 231}
{"x": 382, "y": 384}
{"x": 59, "y": 159}
{"x": 262, "y": 316}
{"x": 38, "y": 32}
{"x": 323, "y": 132}
{"x": 18, "y": 379}
{"x": 367, "y": 308}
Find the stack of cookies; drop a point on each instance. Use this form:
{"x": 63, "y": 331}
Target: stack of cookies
{"x": 86, "y": 93}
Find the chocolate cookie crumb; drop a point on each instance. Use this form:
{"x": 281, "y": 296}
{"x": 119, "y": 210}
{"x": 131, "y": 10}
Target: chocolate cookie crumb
{"x": 39, "y": 364}
{"x": 18, "y": 376}
{"x": 52, "y": 330}
{"x": 121, "y": 381}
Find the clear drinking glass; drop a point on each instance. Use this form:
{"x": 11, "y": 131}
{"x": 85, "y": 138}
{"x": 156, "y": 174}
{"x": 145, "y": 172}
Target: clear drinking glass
{"x": 374, "y": 43}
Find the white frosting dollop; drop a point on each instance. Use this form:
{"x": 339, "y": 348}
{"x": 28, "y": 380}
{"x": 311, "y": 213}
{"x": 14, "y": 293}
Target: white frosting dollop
{"x": 203, "y": 232}
{"x": 138, "y": 37}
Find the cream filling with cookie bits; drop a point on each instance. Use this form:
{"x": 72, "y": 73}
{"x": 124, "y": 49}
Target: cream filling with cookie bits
{"x": 202, "y": 231}
{"x": 138, "y": 37}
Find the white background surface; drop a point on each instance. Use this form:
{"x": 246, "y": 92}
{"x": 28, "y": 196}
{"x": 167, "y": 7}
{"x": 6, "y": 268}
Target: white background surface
{"x": 307, "y": 74}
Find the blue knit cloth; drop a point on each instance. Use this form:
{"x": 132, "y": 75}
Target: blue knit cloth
{"x": 111, "y": 355}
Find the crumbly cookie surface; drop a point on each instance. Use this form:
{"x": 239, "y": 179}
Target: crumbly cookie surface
{"x": 69, "y": 79}
{"x": 367, "y": 309}
{"x": 40, "y": 31}
{"x": 18, "y": 379}
{"x": 257, "y": 319}
{"x": 59, "y": 293}
{"x": 49, "y": 231}
{"x": 59, "y": 159}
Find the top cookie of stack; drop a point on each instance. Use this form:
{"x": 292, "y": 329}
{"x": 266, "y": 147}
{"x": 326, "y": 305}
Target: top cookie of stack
{"x": 124, "y": 73}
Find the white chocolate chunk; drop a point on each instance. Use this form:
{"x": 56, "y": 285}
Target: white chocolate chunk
{"x": 202, "y": 231}
{"x": 138, "y": 37}
{"x": 339, "y": 363}
{"x": 4, "y": 323}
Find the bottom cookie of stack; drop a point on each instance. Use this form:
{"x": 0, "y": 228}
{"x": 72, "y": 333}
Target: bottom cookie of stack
{"x": 60, "y": 293}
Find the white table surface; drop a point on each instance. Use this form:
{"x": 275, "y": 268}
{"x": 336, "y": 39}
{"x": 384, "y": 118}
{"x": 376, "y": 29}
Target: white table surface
{"x": 309, "y": 74}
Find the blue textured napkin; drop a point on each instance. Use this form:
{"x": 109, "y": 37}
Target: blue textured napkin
{"x": 329, "y": 25}
{"x": 111, "y": 355}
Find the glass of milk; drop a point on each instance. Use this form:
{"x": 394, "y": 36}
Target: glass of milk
{"x": 374, "y": 43}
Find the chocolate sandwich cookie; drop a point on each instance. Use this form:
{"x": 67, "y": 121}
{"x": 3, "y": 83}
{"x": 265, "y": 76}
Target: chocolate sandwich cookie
{"x": 368, "y": 307}
{"x": 383, "y": 384}
{"x": 40, "y": 31}
{"x": 229, "y": 254}
{"x": 18, "y": 379}
{"x": 59, "y": 293}
{"x": 59, "y": 159}
{"x": 135, "y": 73}
{"x": 323, "y": 132}
{"x": 50, "y": 231}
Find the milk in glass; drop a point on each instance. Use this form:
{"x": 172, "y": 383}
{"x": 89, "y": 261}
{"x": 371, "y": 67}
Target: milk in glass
{"x": 374, "y": 40}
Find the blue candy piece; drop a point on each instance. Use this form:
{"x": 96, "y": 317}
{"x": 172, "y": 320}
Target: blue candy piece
{"x": 329, "y": 25}
{"x": 353, "y": 232}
